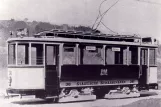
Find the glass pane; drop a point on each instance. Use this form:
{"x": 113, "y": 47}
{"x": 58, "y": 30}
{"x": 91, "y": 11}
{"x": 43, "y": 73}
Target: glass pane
{"x": 69, "y": 55}
{"x": 116, "y": 55}
{"x": 110, "y": 56}
{"x": 144, "y": 56}
{"x": 36, "y": 54}
{"x": 23, "y": 54}
{"x": 133, "y": 55}
{"x": 11, "y": 54}
{"x": 152, "y": 57}
{"x": 124, "y": 56}
{"x": 119, "y": 57}
{"x": 93, "y": 56}
{"x": 50, "y": 55}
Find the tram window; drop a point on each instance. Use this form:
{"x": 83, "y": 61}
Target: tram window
{"x": 115, "y": 55}
{"x": 152, "y": 57}
{"x": 133, "y": 55}
{"x": 69, "y": 54}
{"x": 23, "y": 54}
{"x": 144, "y": 56}
{"x": 51, "y": 55}
{"x": 110, "y": 56}
{"x": 92, "y": 55}
{"x": 11, "y": 54}
{"x": 36, "y": 54}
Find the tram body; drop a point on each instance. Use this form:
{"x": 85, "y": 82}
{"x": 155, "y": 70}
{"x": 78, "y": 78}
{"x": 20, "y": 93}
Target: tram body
{"x": 79, "y": 68}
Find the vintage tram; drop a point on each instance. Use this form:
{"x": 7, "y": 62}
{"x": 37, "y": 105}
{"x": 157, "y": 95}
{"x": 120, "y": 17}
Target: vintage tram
{"x": 74, "y": 65}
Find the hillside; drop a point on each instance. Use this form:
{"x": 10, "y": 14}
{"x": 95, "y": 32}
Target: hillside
{"x": 34, "y": 27}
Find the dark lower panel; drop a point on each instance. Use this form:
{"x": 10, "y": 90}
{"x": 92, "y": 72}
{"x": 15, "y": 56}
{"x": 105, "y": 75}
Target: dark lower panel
{"x": 99, "y": 72}
{"x": 143, "y": 77}
{"x": 51, "y": 77}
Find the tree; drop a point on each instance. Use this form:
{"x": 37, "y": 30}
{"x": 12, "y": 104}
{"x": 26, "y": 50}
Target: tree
{"x": 83, "y": 28}
{"x": 12, "y": 20}
{"x": 20, "y": 25}
{"x": 26, "y": 19}
{"x": 42, "y": 26}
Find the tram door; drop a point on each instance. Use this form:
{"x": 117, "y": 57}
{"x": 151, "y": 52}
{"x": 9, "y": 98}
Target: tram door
{"x": 144, "y": 66}
{"x": 51, "y": 66}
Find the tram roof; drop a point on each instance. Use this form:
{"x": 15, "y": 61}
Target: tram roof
{"x": 57, "y": 35}
{"x": 81, "y": 34}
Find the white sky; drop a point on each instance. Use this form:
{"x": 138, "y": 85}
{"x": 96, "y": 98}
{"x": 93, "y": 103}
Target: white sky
{"x": 127, "y": 16}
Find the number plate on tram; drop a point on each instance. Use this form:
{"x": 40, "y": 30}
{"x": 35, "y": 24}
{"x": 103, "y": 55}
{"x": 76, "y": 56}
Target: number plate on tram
{"x": 96, "y": 83}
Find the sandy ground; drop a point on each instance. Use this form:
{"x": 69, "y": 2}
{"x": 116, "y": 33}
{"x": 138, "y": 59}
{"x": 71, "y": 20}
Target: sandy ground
{"x": 30, "y": 101}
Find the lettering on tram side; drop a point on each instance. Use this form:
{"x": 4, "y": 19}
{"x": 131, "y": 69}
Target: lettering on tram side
{"x": 131, "y": 81}
{"x": 87, "y": 83}
{"x": 68, "y": 84}
{"x": 113, "y": 82}
{"x": 93, "y": 83}
{"x": 104, "y": 72}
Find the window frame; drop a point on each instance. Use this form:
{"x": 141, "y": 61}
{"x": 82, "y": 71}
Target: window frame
{"x": 83, "y": 46}
{"x": 78, "y": 56}
{"x": 155, "y": 57}
{"x": 137, "y": 57}
{"x": 16, "y": 53}
{"x": 144, "y": 56}
{"x": 54, "y": 63}
{"x": 25, "y": 53}
{"x": 30, "y": 53}
{"x": 117, "y": 46}
{"x": 70, "y": 45}
{"x": 8, "y": 53}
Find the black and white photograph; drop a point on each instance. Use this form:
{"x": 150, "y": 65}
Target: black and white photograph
{"x": 80, "y": 53}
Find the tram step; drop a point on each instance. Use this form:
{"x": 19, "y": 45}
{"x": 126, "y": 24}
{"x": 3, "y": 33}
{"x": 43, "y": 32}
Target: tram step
{"x": 121, "y": 95}
{"x": 79, "y": 98}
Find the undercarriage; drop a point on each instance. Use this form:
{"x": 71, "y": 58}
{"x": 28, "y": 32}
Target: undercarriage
{"x": 93, "y": 93}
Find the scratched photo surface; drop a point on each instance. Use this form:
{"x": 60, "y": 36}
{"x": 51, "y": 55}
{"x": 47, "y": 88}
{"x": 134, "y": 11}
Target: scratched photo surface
{"x": 136, "y": 18}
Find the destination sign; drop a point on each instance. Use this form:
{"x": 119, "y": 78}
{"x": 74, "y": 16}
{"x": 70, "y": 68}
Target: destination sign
{"x": 115, "y": 49}
{"x": 94, "y": 83}
{"x": 91, "y": 48}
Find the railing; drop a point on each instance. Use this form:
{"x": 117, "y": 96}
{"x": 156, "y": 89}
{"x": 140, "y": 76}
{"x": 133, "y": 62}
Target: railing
{"x": 34, "y": 61}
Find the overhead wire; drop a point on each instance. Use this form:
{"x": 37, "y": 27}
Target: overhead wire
{"x": 108, "y": 28}
{"x": 105, "y": 13}
{"x": 103, "y": 23}
{"x": 98, "y": 16}
{"x": 101, "y": 15}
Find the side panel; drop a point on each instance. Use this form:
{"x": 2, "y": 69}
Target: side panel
{"x": 51, "y": 77}
{"x": 99, "y": 72}
{"x": 153, "y": 75}
{"x": 143, "y": 77}
{"x": 26, "y": 78}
